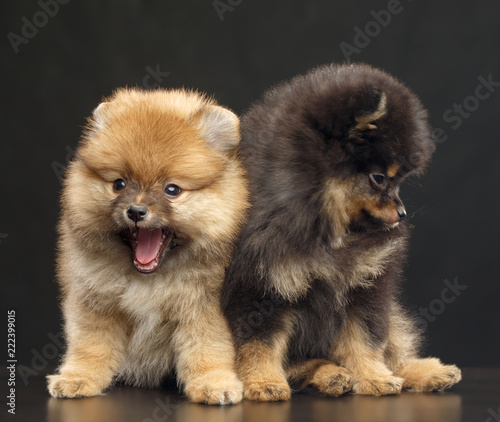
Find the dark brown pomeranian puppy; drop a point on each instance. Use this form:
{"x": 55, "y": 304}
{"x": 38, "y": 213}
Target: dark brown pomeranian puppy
{"x": 311, "y": 295}
{"x": 151, "y": 207}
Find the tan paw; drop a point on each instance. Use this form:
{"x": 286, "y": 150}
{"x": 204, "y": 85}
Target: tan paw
{"x": 215, "y": 387}
{"x": 269, "y": 390}
{"x": 426, "y": 375}
{"x": 332, "y": 380}
{"x": 379, "y": 386}
{"x": 71, "y": 386}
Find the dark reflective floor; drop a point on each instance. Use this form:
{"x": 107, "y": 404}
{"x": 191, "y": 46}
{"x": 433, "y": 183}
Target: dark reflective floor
{"x": 476, "y": 398}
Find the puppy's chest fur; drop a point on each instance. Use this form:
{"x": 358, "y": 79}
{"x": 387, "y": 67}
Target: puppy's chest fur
{"x": 159, "y": 309}
{"x": 350, "y": 266}
{"x": 173, "y": 298}
{"x": 349, "y": 281}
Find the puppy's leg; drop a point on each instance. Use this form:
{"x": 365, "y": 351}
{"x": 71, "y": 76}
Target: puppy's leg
{"x": 95, "y": 351}
{"x": 329, "y": 379}
{"x": 261, "y": 327}
{"x": 205, "y": 358}
{"x": 420, "y": 375}
{"x": 260, "y": 367}
{"x": 429, "y": 374}
{"x": 355, "y": 351}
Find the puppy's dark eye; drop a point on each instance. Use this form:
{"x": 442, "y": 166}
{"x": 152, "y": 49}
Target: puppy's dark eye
{"x": 119, "y": 184}
{"x": 378, "y": 180}
{"x": 173, "y": 190}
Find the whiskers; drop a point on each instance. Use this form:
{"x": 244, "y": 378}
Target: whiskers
{"x": 420, "y": 211}
{"x": 414, "y": 183}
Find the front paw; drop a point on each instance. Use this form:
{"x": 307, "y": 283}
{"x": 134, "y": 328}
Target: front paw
{"x": 379, "y": 386}
{"x": 215, "y": 387}
{"x": 71, "y": 386}
{"x": 332, "y": 380}
{"x": 427, "y": 375}
{"x": 268, "y": 390}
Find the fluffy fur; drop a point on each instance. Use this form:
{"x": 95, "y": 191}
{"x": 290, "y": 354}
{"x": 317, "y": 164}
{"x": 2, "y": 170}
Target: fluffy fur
{"x": 141, "y": 285}
{"x": 311, "y": 294}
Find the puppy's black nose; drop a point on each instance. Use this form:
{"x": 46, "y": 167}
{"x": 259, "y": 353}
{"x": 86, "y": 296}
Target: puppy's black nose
{"x": 137, "y": 213}
{"x": 401, "y": 213}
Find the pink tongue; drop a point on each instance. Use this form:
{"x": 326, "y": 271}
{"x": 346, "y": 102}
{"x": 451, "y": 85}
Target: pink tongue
{"x": 148, "y": 245}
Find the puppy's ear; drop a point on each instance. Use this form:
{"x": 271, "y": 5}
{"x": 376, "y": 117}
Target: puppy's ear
{"x": 369, "y": 121}
{"x": 100, "y": 116}
{"x": 220, "y": 127}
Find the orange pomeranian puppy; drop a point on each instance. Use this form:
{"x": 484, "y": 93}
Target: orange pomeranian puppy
{"x": 151, "y": 207}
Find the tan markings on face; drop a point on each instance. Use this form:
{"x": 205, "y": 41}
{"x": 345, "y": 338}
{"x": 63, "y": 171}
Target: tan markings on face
{"x": 365, "y": 122}
{"x": 393, "y": 170}
{"x": 345, "y": 200}
{"x": 388, "y": 213}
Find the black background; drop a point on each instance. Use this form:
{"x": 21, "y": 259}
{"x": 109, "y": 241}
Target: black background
{"x": 87, "y": 49}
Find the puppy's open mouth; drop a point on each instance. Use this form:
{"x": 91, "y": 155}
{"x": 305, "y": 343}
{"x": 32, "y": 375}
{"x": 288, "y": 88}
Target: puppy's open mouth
{"x": 149, "y": 246}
